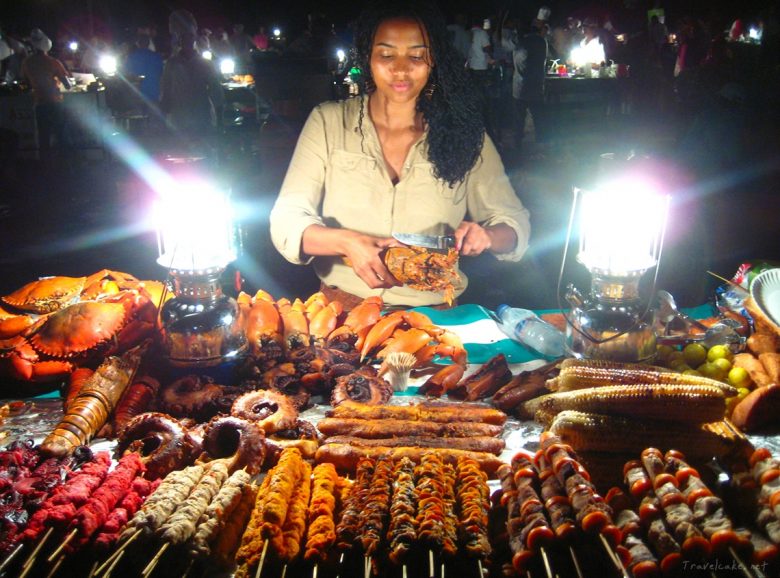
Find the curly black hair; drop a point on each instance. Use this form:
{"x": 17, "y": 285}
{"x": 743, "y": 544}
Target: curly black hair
{"x": 451, "y": 110}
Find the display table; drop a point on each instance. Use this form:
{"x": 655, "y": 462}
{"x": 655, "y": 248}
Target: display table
{"x": 579, "y": 101}
{"x": 88, "y": 117}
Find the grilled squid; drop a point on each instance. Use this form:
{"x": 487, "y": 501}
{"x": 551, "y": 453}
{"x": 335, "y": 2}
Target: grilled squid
{"x": 240, "y": 440}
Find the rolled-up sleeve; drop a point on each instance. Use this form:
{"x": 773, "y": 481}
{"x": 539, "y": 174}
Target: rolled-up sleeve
{"x": 492, "y": 200}
{"x": 299, "y": 202}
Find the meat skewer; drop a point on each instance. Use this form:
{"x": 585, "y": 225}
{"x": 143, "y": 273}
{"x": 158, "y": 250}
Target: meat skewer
{"x": 92, "y": 515}
{"x": 181, "y": 524}
{"x": 402, "y": 531}
{"x": 708, "y": 510}
{"x": 294, "y": 525}
{"x": 60, "y": 507}
{"x": 591, "y": 513}
{"x": 215, "y": 516}
{"x": 321, "y": 534}
{"x": 558, "y": 507}
{"x": 430, "y": 494}
{"x": 376, "y": 508}
{"x": 270, "y": 512}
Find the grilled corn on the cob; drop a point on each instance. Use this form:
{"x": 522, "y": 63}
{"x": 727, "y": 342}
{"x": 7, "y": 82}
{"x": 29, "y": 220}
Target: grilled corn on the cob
{"x": 579, "y": 374}
{"x": 616, "y": 434}
{"x": 680, "y": 403}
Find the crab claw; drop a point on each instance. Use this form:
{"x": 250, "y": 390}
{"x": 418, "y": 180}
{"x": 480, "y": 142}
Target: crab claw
{"x": 409, "y": 341}
{"x": 358, "y": 322}
{"x": 443, "y": 380}
{"x": 324, "y": 321}
{"x": 381, "y": 332}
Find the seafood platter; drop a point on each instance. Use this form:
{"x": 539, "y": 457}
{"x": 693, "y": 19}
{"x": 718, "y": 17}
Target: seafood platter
{"x": 367, "y": 443}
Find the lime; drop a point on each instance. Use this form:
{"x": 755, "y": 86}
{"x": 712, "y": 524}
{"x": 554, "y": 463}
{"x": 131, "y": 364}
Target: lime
{"x": 709, "y": 370}
{"x": 718, "y": 352}
{"x": 739, "y": 377}
{"x": 691, "y": 372}
{"x": 695, "y": 354}
{"x": 679, "y": 365}
{"x": 673, "y": 357}
{"x": 664, "y": 351}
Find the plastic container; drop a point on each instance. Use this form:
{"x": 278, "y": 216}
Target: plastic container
{"x": 526, "y": 327}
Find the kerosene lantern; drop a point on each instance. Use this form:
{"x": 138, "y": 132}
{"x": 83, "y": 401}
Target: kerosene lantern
{"x": 621, "y": 229}
{"x": 197, "y": 240}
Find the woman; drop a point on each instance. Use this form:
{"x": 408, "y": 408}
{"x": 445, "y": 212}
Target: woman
{"x": 410, "y": 155}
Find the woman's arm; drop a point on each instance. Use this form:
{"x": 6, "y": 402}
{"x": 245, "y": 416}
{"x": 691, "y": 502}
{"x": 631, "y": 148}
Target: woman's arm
{"x": 499, "y": 221}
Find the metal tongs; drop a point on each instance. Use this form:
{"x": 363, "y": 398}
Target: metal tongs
{"x": 723, "y": 332}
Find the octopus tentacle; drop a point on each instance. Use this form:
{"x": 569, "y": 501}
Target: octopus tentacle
{"x": 240, "y": 441}
{"x": 363, "y": 385}
{"x": 163, "y": 443}
{"x": 271, "y": 410}
{"x": 190, "y": 396}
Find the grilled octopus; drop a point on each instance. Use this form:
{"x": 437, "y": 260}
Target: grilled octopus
{"x": 364, "y": 385}
{"x": 240, "y": 440}
{"x": 190, "y": 396}
{"x": 163, "y": 443}
{"x": 272, "y": 411}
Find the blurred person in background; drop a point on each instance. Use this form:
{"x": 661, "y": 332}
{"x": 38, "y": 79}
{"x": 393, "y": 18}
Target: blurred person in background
{"x": 409, "y": 155}
{"x": 47, "y": 77}
{"x": 148, "y": 65}
{"x": 191, "y": 94}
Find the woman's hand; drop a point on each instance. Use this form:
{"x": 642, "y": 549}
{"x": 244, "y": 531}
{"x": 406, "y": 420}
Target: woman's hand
{"x": 364, "y": 254}
{"x": 473, "y": 239}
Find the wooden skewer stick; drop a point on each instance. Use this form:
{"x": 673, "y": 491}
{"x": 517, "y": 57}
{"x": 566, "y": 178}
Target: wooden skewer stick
{"x": 113, "y": 565}
{"x": 284, "y": 571}
{"x": 314, "y": 571}
{"x": 56, "y": 567}
{"x": 117, "y": 552}
{"x": 153, "y": 562}
{"x": 729, "y": 281}
{"x": 479, "y": 568}
{"x": 262, "y": 560}
{"x": 31, "y": 558}
{"x": 26, "y": 569}
{"x": 431, "y": 573}
{"x": 576, "y": 562}
{"x": 614, "y": 557}
{"x": 189, "y": 568}
{"x": 11, "y": 556}
{"x": 59, "y": 549}
{"x": 92, "y": 569}
{"x": 442, "y": 570}
{"x": 366, "y": 566}
{"x": 546, "y": 560}
{"x": 741, "y": 563}
{"x": 341, "y": 564}
{"x": 403, "y": 571}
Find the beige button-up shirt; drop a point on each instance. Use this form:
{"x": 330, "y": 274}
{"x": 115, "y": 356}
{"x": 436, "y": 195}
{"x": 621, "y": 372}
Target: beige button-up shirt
{"x": 338, "y": 178}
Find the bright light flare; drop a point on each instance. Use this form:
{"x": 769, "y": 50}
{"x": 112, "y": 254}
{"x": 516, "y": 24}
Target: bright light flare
{"x": 754, "y": 34}
{"x": 73, "y": 46}
{"x": 341, "y": 55}
{"x": 195, "y": 232}
{"x": 108, "y": 64}
{"x": 277, "y": 32}
{"x": 207, "y": 55}
{"x": 621, "y": 227}
{"x": 227, "y": 66}
{"x": 590, "y": 53}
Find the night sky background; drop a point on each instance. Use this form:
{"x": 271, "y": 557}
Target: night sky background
{"x": 119, "y": 18}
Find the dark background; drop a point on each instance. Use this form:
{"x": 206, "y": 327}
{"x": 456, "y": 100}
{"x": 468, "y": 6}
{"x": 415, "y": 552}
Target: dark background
{"x": 116, "y": 18}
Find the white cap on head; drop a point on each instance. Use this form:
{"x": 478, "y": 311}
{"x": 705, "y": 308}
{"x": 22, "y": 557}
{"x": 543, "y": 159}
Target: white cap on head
{"x": 39, "y": 40}
{"x": 543, "y": 14}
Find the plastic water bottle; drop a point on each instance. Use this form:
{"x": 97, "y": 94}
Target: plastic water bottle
{"x": 526, "y": 327}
